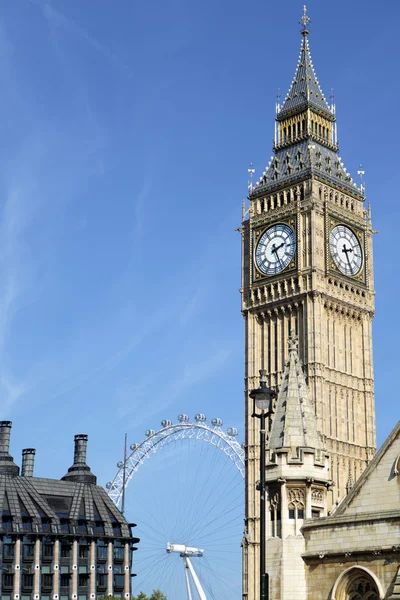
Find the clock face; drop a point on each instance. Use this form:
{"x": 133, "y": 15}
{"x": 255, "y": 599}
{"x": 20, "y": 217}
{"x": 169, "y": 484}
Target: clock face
{"x": 346, "y": 250}
{"x": 275, "y": 249}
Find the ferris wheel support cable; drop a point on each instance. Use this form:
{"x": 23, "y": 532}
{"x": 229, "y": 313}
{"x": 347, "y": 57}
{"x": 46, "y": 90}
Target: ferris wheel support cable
{"x": 203, "y": 526}
{"x": 232, "y": 485}
{"x": 222, "y": 580}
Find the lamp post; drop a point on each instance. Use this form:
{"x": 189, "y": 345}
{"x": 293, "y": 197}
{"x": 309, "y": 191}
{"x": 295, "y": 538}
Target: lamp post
{"x": 262, "y": 400}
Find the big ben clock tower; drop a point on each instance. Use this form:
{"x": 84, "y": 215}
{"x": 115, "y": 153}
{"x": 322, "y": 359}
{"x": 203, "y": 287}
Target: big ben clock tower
{"x": 307, "y": 270}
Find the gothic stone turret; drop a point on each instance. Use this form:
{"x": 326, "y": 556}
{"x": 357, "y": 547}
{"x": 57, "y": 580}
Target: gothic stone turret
{"x": 297, "y": 478}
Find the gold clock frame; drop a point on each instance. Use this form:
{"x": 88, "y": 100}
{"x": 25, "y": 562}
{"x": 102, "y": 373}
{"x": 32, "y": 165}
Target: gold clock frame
{"x": 291, "y": 222}
{"x": 360, "y": 235}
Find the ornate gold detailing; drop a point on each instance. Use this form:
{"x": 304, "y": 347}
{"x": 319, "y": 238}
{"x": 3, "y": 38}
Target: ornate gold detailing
{"x": 305, "y": 19}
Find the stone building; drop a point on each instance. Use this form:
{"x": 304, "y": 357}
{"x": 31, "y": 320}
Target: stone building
{"x": 60, "y": 540}
{"x": 308, "y": 305}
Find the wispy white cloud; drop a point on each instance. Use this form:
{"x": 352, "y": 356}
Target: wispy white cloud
{"x": 57, "y": 19}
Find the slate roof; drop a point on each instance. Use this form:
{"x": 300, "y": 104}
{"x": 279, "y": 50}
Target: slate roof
{"x": 301, "y": 160}
{"x": 48, "y": 506}
{"x": 308, "y": 155}
{"x": 294, "y": 423}
{"x": 74, "y": 505}
{"x": 305, "y": 90}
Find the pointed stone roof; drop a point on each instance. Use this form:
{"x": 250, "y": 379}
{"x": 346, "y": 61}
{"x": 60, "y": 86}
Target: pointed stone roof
{"x": 305, "y": 90}
{"x": 307, "y": 154}
{"x": 294, "y": 424}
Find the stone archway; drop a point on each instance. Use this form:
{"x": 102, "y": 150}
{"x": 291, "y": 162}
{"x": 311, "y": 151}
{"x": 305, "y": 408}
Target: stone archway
{"x": 357, "y": 583}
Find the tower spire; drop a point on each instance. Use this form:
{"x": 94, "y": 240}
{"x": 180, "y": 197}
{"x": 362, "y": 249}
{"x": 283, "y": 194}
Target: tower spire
{"x": 305, "y": 19}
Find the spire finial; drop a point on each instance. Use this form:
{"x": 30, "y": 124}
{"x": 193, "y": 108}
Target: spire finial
{"x": 305, "y": 19}
{"x": 251, "y": 170}
{"x": 361, "y": 172}
{"x": 293, "y": 343}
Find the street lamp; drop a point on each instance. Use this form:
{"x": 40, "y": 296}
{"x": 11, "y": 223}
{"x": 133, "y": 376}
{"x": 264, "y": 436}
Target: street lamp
{"x": 262, "y": 400}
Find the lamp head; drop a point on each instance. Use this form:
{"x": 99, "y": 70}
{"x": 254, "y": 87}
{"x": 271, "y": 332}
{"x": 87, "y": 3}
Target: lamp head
{"x": 262, "y": 396}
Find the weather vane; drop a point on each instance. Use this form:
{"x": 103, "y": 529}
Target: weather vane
{"x": 305, "y": 19}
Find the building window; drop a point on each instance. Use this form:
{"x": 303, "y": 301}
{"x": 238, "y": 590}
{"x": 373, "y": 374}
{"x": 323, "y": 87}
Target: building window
{"x": 101, "y": 581}
{"x": 28, "y": 550}
{"x": 27, "y": 580}
{"x": 99, "y": 528}
{"x": 65, "y": 579}
{"x": 8, "y": 550}
{"x": 47, "y": 581}
{"x": 102, "y": 552}
{"x": 65, "y": 550}
{"x": 83, "y": 579}
{"x": 7, "y": 523}
{"x": 64, "y": 525}
{"x": 27, "y": 523}
{"x": 8, "y": 580}
{"x": 315, "y": 513}
{"x": 360, "y": 588}
{"x": 47, "y": 550}
{"x": 296, "y": 512}
{"x": 275, "y": 515}
{"x": 119, "y": 582}
{"x": 118, "y": 553}
{"x": 46, "y": 524}
{"x": 82, "y": 526}
{"x": 83, "y": 551}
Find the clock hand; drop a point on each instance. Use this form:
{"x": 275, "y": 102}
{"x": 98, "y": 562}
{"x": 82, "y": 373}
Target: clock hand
{"x": 276, "y": 248}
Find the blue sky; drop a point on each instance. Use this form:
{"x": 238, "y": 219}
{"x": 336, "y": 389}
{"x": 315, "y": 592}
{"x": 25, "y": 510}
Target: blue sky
{"x": 126, "y": 134}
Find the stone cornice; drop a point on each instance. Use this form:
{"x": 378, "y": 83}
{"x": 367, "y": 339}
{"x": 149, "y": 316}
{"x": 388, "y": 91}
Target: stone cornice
{"x": 353, "y": 519}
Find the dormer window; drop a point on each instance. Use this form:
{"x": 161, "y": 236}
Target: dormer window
{"x": 27, "y": 523}
{"x": 82, "y": 526}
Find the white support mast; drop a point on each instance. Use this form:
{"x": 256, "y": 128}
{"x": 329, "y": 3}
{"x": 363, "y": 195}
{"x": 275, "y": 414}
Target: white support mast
{"x": 197, "y": 583}
{"x": 186, "y": 552}
{"x": 189, "y": 591}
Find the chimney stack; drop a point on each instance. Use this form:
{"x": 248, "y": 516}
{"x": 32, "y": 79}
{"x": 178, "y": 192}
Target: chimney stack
{"x": 5, "y": 434}
{"x": 79, "y": 471}
{"x": 7, "y": 465}
{"x": 28, "y": 459}
{"x": 80, "y": 449}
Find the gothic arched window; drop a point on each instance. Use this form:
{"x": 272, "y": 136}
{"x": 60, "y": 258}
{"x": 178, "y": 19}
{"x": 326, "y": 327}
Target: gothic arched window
{"x": 357, "y": 583}
{"x": 362, "y": 589}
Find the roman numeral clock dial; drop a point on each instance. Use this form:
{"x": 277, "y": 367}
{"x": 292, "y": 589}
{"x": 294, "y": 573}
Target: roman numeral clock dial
{"x": 345, "y": 250}
{"x": 275, "y": 249}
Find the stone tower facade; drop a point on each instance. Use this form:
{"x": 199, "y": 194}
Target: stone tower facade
{"x": 307, "y": 270}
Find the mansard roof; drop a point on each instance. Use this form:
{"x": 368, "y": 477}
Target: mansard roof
{"x": 305, "y": 90}
{"x": 74, "y": 506}
{"x": 51, "y": 507}
{"x": 294, "y": 424}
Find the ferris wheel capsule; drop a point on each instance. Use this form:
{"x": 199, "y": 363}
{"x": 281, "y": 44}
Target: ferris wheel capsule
{"x": 200, "y": 418}
{"x": 166, "y": 423}
{"x": 217, "y": 422}
{"x": 183, "y": 419}
{"x": 108, "y": 485}
{"x": 133, "y": 447}
{"x": 120, "y": 464}
{"x": 149, "y": 432}
{"x": 232, "y": 431}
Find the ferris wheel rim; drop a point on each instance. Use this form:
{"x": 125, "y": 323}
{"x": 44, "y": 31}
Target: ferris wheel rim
{"x": 156, "y": 440}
